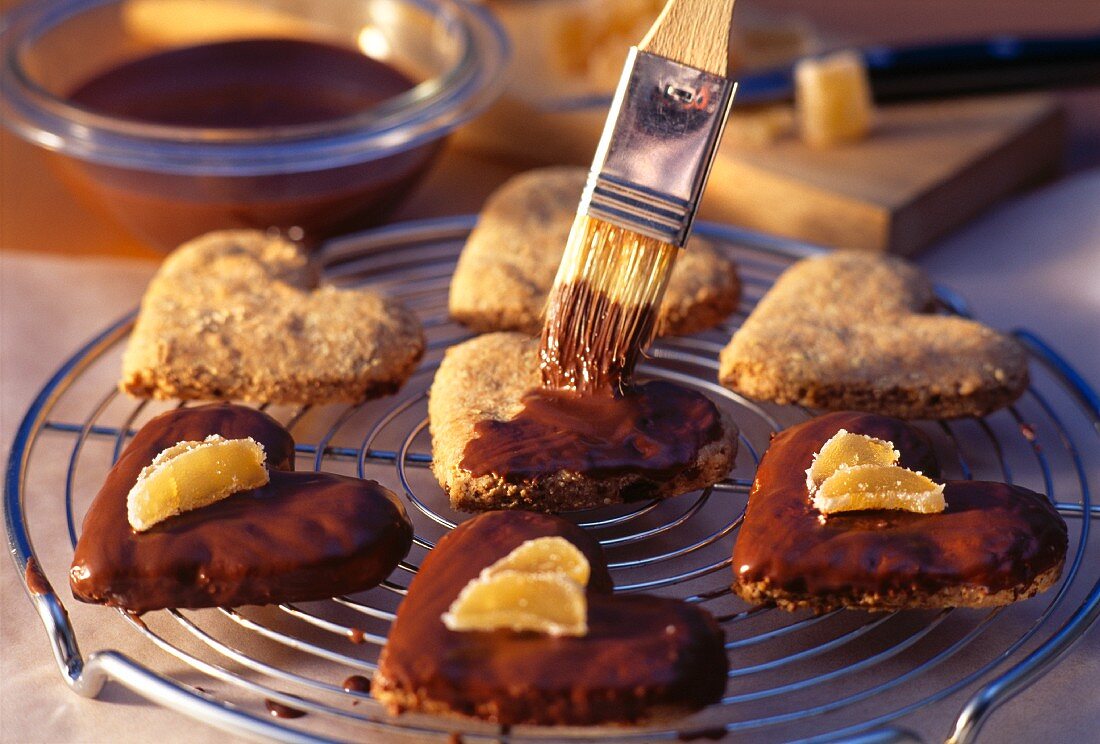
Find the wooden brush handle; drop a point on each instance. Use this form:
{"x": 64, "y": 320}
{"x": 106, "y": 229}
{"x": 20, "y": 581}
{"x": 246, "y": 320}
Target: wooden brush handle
{"x": 694, "y": 33}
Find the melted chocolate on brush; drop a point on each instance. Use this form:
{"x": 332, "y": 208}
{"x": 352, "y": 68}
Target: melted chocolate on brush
{"x": 640, "y": 651}
{"x": 302, "y": 536}
{"x": 992, "y": 535}
{"x": 591, "y": 343}
{"x": 655, "y": 430}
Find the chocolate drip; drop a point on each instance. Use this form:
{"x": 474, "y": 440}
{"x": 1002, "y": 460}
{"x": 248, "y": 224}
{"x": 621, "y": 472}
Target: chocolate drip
{"x": 655, "y": 430}
{"x": 279, "y": 710}
{"x": 712, "y": 734}
{"x": 640, "y": 651}
{"x": 993, "y": 536}
{"x": 356, "y": 683}
{"x": 590, "y": 342}
{"x": 302, "y": 536}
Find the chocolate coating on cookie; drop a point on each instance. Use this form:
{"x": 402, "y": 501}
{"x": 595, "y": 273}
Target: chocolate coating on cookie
{"x": 641, "y": 653}
{"x": 484, "y": 383}
{"x": 994, "y": 543}
{"x": 303, "y": 536}
{"x": 655, "y": 430}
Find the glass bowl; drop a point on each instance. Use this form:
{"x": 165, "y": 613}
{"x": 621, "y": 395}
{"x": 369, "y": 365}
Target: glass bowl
{"x": 168, "y": 183}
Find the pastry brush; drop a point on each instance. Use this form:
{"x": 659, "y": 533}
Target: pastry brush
{"x": 640, "y": 199}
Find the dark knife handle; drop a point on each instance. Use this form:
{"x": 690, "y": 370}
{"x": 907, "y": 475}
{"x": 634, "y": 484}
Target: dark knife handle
{"x": 987, "y": 66}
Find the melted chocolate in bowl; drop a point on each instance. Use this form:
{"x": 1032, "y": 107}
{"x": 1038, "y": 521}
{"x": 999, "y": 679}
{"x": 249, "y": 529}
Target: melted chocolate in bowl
{"x": 245, "y": 84}
{"x": 992, "y": 535}
{"x": 302, "y": 536}
{"x": 253, "y": 84}
{"x": 655, "y": 429}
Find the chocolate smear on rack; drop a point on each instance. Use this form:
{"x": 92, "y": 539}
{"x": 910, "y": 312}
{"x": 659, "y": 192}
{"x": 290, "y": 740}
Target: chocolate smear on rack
{"x": 655, "y": 429}
{"x": 356, "y": 635}
{"x": 37, "y": 583}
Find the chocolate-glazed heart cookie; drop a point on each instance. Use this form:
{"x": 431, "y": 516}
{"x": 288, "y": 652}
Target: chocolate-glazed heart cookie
{"x": 302, "y": 536}
{"x": 994, "y": 543}
{"x": 641, "y": 656}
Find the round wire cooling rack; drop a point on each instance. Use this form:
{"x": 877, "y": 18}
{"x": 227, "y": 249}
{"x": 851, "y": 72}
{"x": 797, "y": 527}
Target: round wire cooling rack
{"x": 843, "y": 674}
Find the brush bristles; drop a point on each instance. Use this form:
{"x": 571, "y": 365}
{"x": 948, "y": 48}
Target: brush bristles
{"x": 602, "y": 309}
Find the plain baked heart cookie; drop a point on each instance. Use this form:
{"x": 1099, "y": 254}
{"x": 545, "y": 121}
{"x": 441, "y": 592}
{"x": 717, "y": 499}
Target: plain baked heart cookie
{"x": 643, "y": 657}
{"x": 303, "y": 536}
{"x": 508, "y": 265}
{"x": 994, "y": 544}
{"x": 236, "y": 315}
{"x": 853, "y": 331}
{"x": 662, "y": 441}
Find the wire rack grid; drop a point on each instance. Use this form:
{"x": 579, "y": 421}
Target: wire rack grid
{"x": 841, "y": 675}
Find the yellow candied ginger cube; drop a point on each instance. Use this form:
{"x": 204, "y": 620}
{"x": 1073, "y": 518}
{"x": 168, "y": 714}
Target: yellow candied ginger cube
{"x": 833, "y": 98}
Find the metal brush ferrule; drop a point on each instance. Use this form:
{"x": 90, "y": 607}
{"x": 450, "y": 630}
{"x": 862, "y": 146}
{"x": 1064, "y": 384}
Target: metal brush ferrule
{"x": 658, "y": 146}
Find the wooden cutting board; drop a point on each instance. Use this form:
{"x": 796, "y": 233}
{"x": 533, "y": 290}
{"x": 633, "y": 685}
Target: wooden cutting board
{"x": 926, "y": 169}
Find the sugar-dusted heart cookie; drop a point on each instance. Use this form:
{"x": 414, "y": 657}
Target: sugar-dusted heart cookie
{"x": 495, "y": 444}
{"x": 303, "y": 536}
{"x": 508, "y": 265}
{"x": 236, "y": 315}
{"x": 642, "y": 656}
{"x": 993, "y": 544}
{"x": 853, "y": 331}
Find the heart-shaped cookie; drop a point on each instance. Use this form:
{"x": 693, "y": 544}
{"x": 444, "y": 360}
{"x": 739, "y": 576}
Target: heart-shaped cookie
{"x": 852, "y": 331}
{"x": 994, "y": 544}
{"x": 236, "y": 315}
{"x": 641, "y": 656}
{"x": 497, "y": 444}
{"x": 507, "y": 267}
{"x": 301, "y": 537}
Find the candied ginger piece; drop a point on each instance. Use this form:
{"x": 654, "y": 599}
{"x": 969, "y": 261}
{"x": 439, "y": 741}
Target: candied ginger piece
{"x": 845, "y": 450}
{"x": 539, "y": 587}
{"x": 546, "y": 555}
{"x": 879, "y": 487}
{"x": 190, "y": 475}
{"x": 549, "y": 603}
{"x": 833, "y": 97}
